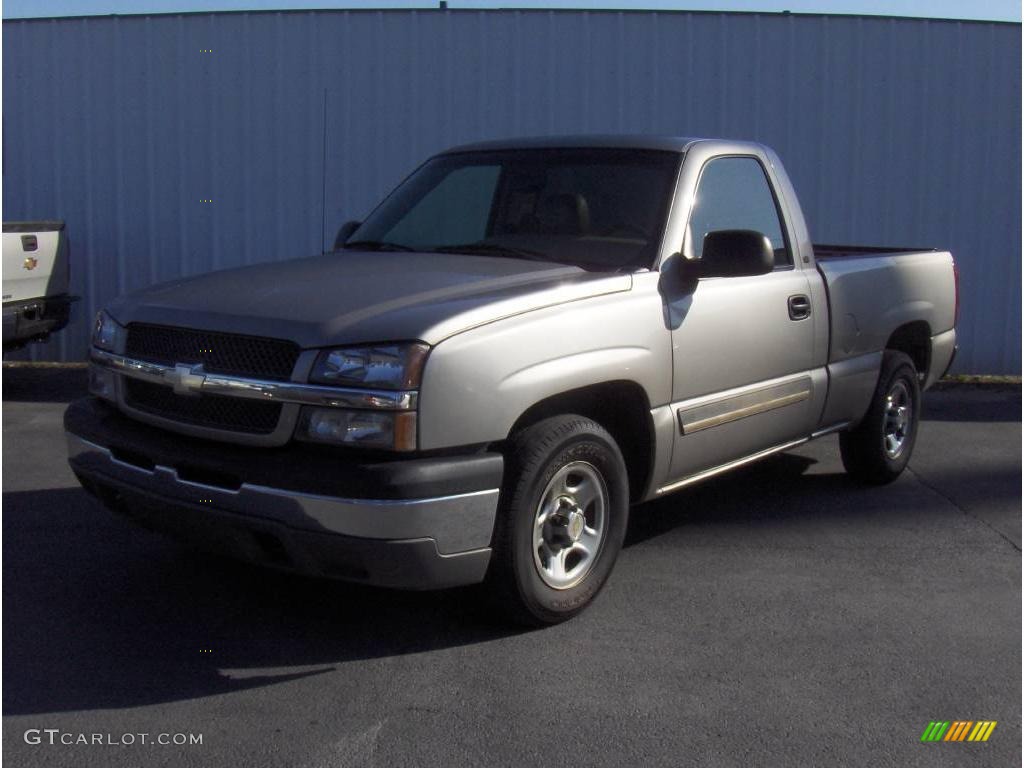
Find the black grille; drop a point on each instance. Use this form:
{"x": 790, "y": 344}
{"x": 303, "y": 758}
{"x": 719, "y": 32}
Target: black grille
{"x": 218, "y": 352}
{"x": 230, "y": 413}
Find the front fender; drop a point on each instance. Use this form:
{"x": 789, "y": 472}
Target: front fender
{"x": 478, "y": 383}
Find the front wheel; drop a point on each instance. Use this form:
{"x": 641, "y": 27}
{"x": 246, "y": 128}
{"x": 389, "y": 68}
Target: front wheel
{"x": 878, "y": 449}
{"x": 561, "y": 521}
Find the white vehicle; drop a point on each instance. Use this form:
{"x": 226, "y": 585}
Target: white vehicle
{"x": 35, "y": 282}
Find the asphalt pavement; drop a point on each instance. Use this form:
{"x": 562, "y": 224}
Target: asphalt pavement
{"x": 777, "y": 616}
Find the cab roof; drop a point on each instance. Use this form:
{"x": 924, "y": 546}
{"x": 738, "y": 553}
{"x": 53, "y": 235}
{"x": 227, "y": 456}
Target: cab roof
{"x": 610, "y": 141}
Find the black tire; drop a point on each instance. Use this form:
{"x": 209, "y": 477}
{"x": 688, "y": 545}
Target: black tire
{"x": 866, "y": 454}
{"x": 540, "y": 460}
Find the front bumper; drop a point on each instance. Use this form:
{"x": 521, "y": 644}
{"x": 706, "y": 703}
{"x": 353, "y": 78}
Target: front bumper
{"x": 412, "y": 523}
{"x": 35, "y": 319}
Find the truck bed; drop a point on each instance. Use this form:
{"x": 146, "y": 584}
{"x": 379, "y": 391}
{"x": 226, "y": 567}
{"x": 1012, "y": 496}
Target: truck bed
{"x": 871, "y": 291}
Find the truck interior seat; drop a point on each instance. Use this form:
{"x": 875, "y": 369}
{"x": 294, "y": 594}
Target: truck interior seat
{"x": 564, "y": 214}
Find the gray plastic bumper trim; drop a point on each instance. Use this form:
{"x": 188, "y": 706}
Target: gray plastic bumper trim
{"x": 457, "y": 523}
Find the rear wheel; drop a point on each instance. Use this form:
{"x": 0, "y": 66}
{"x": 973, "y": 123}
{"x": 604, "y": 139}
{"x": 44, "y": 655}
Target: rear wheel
{"x": 561, "y": 522}
{"x": 878, "y": 449}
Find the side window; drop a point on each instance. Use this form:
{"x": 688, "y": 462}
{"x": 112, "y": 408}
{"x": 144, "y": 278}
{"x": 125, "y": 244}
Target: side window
{"x": 733, "y": 193}
{"x": 453, "y": 212}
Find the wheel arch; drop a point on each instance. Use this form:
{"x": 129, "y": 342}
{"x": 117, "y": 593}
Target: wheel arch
{"x": 914, "y": 340}
{"x": 621, "y": 407}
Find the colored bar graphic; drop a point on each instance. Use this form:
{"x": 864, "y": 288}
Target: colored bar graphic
{"x": 935, "y": 730}
{"x": 958, "y": 730}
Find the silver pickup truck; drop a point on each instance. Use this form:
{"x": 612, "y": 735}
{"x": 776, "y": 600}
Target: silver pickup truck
{"x": 522, "y": 341}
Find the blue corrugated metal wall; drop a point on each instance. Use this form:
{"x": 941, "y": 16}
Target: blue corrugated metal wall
{"x": 895, "y": 131}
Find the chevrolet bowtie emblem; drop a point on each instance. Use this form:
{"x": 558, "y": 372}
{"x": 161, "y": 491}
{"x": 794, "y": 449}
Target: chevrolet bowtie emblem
{"x": 30, "y": 263}
{"x": 186, "y": 379}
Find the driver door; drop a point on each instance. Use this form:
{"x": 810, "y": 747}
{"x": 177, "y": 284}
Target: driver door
{"x": 742, "y": 346}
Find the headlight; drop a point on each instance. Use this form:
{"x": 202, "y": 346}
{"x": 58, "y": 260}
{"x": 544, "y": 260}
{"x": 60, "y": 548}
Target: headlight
{"x": 376, "y": 366}
{"x": 390, "y": 430}
{"x": 385, "y": 366}
{"x": 104, "y": 331}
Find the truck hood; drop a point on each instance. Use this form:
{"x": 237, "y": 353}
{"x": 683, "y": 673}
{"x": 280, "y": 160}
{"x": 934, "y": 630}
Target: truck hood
{"x": 358, "y": 297}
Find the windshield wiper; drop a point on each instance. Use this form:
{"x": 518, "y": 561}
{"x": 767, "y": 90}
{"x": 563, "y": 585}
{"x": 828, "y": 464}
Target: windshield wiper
{"x": 376, "y": 245}
{"x": 491, "y": 249}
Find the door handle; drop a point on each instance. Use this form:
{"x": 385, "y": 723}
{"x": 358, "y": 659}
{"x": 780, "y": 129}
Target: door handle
{"x": 799, "y": 307}
{"x": 29, "y": 243}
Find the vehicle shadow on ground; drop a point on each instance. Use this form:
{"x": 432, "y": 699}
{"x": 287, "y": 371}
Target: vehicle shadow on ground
{"x": 100, "y": 614}
{"x": 779, "y": 488}
{"x": 744, "y": 495}
{"x": 43, "y": 384}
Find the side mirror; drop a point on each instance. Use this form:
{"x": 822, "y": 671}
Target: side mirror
{"x": 736, "y": 253}
{"x": 679, "y": 275}
{"x": 345, "y": 233}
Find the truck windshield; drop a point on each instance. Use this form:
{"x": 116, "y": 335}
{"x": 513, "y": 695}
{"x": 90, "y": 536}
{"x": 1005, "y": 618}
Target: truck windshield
{"x": 601, "y": 209}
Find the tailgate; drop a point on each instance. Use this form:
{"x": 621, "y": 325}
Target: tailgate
{"x": 35, "y": 260}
